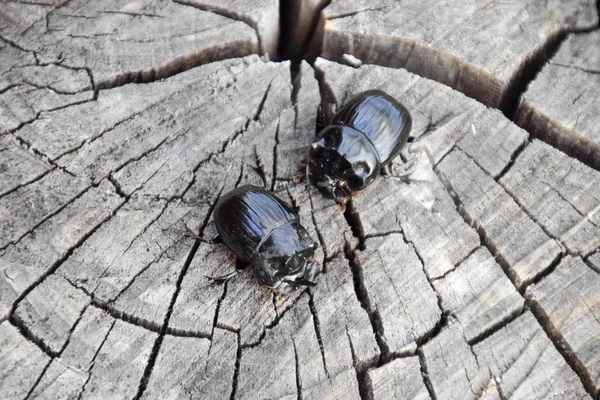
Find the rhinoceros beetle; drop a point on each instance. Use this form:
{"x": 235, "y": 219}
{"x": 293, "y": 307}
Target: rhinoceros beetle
{"x": 356, "y": 144}
{"x": 265, "y": 233}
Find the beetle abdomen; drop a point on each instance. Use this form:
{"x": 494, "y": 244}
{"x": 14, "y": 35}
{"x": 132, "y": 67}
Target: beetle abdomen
{"x": 248, "y": 214}
{"x": 381, "y": 118}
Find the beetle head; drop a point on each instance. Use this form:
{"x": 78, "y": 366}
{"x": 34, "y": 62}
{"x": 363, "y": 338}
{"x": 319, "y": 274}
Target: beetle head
{"x": 342, "y": 162}
{"x": 285, "y": 261}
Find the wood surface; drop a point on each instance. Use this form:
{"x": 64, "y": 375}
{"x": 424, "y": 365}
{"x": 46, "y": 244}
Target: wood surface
{"x": 122, "y": 123}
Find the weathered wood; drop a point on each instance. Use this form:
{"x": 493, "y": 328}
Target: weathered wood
{"x": 594, "y": 261}
{"x": 262, "y": 16}
{"x": 51, "y": 310}
{"x": 400, "y": 379}
{"x": 524, "y": 363}
{"x": 68, "y": 374}
{"x": 560, "y": 105}
{"x": 36, "y": 254}
{"x": 524, "y": 246}
{"x": 30, "y": 90}
{"x": 475, "y": 279}
{"x": 197, "y": 368}
{"x": 518, "y": 361}
{"x": 122, "y": 42}
{"x": 398, "y": 290}
{"x": 22, "y": 362}
{"x": 571, "y": 301}
{"x": 343, "y": 324}
{"x": 288, "y": 360}
{"x": 19, "y": 165}
{"x": 478, "y": 294}
{"x": 25, "y": 208}
{"x": 120, "y": 362}
{"x": 444, "y": 41}
{"x": 561, "y": 194}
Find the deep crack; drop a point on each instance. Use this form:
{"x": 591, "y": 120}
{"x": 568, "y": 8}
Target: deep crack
{"x": 559, "y": 342}
{"x": 158, "y": 342}
{"x": 362, "y": 296}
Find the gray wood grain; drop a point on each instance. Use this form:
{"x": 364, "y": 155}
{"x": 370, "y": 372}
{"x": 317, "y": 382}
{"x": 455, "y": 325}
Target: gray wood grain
{"x": 398, "y": 290}
{"x": 517, "y": 361}
{"x": 122, "y": 123}
{"x": 399, "y": 379}
{"x": 68, "y": 374}
{"x": 560, "y": 105}
{"x": 478, "y": 294}
{"x": 570, "y": 298}
{"x": 22, "y": 362}
{"x": 444, "y": 41}
{"x": 23, "y": 263}
{"x": 560, "y": 193}
{"x": 120, "y": 42}
{"x": 521, "y": 242}
{"x": 197, "y": 368}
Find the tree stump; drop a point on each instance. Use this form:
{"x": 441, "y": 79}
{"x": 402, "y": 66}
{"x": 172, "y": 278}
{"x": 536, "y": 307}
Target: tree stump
{"x": 122, "y": 123}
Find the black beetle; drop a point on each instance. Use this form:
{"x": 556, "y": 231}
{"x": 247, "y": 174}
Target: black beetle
{"x": 360, "y": 140}
{"x": 265, "y": 233}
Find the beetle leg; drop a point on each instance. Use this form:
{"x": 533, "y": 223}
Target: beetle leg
{"x": 299, "y": 177}
{"x": 187, "y": 232}
{"x": 224, "y": 278}
{"x": 408, "y": 167}
{"x": 321, "y": 120}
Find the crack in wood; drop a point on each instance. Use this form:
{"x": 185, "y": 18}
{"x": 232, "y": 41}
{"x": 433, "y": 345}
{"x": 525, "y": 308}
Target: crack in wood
{"x": 227, "y": 13}
{"x": 236, "y": 367}
{"x": 457, "y": 264}
{"x": 216, "y": 317}
{"x": 271, "y": 325}
{"x": 365, "y": 388}
{"x": 517, "y": 85}
{"x": 93, "y": 138}
{"x": 135, "y": 320}
{"x": 319, "y": 234}
{"x": 425, "y": 374}
{"x": 62, "y": 259}
{"x": 513, "y": 159}
{"x": 496, "y": 327}
{"x": 27, "y": 183}
{"x": 362, "y": 295}
{"x": 555, "y": 336}
{"x": 175, "y": 66}
{"x": 93, "y": 361}
{"x": 158, "y": 342}
{"x": 354, "y": 222}
{"x": 274, "y": 171}
{"x": 297, "y": 368}
{"x": 317, "y": 326}
{"x": 563, "y": 347}
{"x": 58, "y": 353}
{"x": 259, "y": 168}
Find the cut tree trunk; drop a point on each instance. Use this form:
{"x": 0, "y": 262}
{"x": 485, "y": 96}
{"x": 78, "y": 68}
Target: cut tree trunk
{"x": 122, "y": 123}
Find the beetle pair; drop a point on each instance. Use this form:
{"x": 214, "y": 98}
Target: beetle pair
{"x": 350, "y": 151}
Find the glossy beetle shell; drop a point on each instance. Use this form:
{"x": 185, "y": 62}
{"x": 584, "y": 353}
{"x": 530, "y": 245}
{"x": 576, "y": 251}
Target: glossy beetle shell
{"x": 366, "y": 134}
{"x": 262, "y": 230}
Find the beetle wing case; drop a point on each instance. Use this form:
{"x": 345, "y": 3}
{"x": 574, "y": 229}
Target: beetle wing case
{"x": 261, "y": 229}
{"x": 386, "y": 122}
{"x": 246, "y": 215}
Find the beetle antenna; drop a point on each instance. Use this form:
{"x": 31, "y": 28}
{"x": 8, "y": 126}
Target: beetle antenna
{"x": 188, "y": 233}
{"x": 223, "y": 278}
